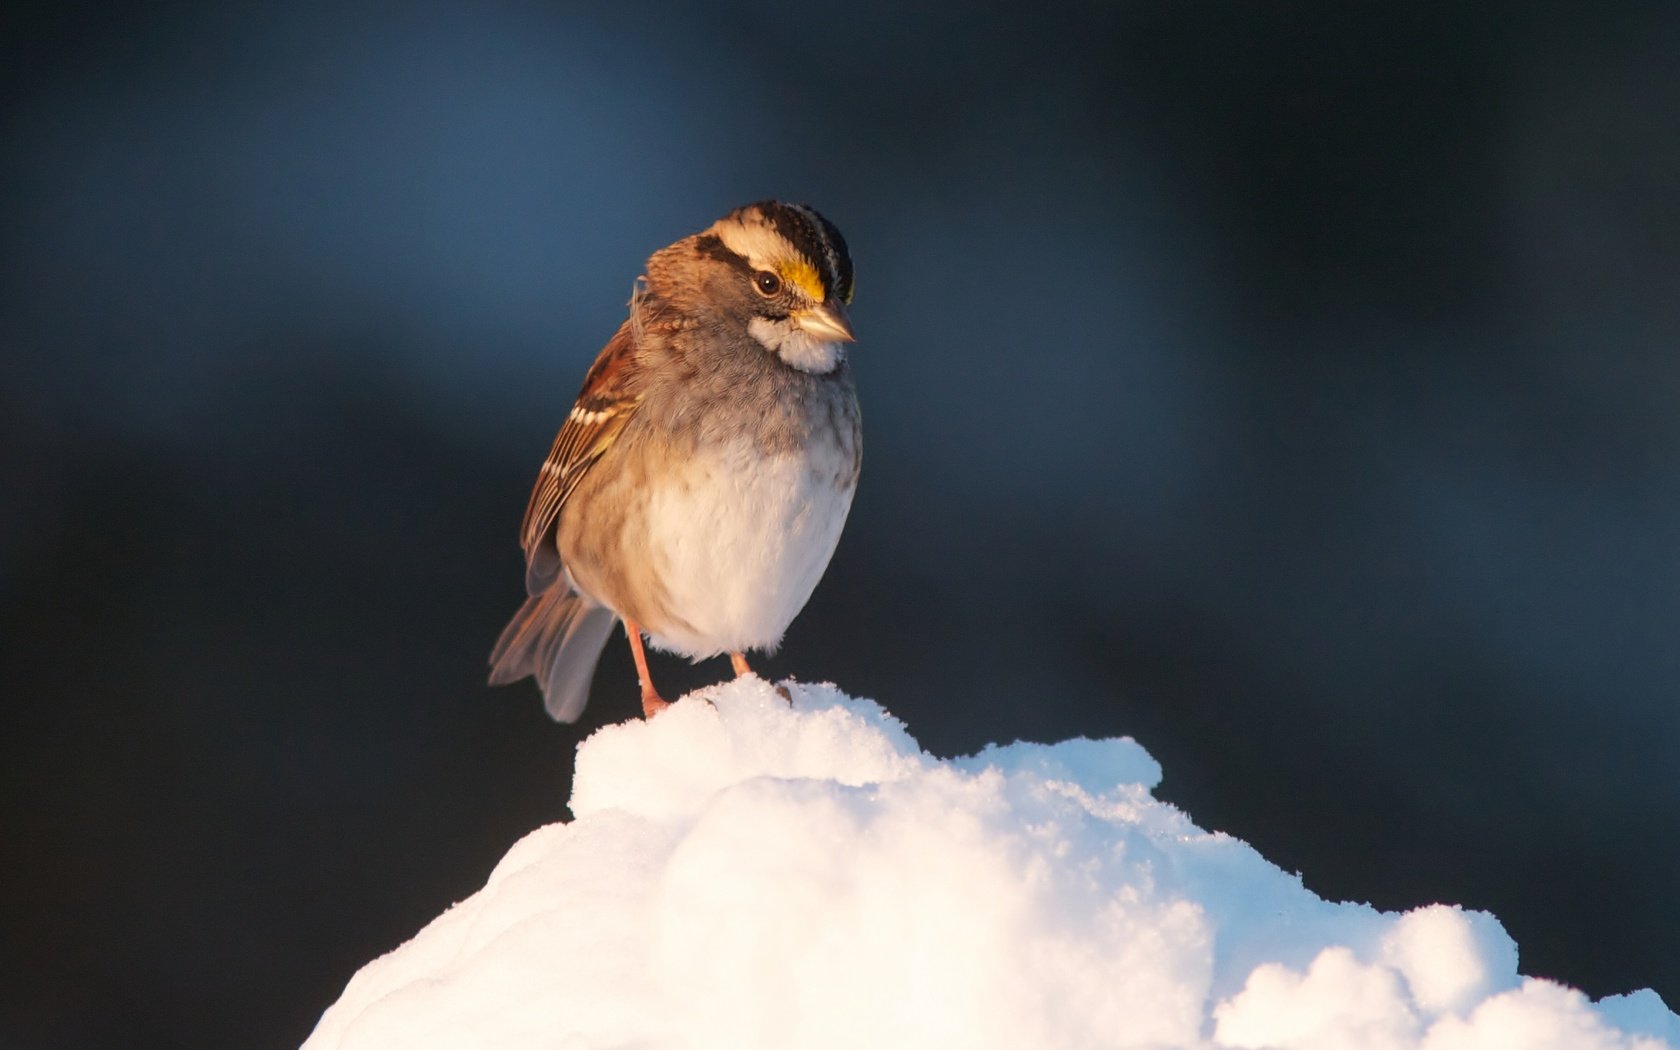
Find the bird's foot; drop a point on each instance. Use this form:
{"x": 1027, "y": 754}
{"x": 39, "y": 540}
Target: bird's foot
{"x": 653, "y": 703}
{"x": 742, "y": 669}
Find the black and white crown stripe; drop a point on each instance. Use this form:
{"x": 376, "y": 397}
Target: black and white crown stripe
{"x": 757, "y": 236}
{"x": 819, "y": 240}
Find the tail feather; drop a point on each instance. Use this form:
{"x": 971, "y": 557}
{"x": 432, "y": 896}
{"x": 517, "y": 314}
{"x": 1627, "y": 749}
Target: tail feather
{"x": 556, "y": 637}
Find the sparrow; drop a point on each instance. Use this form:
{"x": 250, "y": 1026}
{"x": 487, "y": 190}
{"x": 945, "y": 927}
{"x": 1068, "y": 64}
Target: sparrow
{"x": 698, "y": 486}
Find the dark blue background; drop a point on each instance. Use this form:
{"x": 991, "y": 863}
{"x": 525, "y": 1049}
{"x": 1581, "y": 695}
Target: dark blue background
{"x": 1290, "y": 386}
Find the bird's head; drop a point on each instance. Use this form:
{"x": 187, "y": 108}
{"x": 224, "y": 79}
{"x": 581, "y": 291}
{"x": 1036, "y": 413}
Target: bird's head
{"x": 780, "y": 272}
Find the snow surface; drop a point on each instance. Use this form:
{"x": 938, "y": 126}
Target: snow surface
{"x": 745, "y": 874}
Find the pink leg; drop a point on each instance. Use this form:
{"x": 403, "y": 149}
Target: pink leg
{"x": 739, "y": 662}
{"x": 652, "y": 702}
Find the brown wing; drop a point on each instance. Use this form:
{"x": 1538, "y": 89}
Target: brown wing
{"x": 610, "y": 396}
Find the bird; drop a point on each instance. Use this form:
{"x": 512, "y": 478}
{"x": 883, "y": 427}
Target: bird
{"x": 698, "y": 487}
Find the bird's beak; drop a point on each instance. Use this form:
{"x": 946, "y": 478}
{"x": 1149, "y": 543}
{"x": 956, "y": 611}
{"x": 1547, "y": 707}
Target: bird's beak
{"x": 826, "y": 322}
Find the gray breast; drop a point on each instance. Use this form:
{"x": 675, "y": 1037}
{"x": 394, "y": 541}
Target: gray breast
{"x": 721, "y": 393}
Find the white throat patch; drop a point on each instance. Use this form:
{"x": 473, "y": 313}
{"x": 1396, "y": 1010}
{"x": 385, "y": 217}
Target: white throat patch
{"x": 796, "y": 347}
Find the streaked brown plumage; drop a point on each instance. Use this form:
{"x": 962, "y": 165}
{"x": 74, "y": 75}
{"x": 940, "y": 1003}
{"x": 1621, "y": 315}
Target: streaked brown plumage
{"x": 698, "y": 486}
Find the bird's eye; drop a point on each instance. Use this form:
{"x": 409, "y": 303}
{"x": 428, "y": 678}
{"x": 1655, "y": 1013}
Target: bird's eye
{"x": 767, "y": 283}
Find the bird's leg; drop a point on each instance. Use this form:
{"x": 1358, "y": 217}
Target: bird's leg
{"x": 739, "y": 662}
{"x": 652, "y": 702}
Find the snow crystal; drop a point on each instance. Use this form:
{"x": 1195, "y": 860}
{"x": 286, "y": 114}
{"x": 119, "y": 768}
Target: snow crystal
{"x": 742, "y": 873}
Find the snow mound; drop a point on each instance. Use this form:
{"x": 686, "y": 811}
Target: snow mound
{"x": 742, "y": 873}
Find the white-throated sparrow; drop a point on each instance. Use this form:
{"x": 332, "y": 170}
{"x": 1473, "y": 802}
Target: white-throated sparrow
{"x": 698, "y": 487}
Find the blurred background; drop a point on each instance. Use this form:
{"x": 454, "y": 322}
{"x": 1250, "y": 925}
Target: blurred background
{"x": 1292, "y": 387}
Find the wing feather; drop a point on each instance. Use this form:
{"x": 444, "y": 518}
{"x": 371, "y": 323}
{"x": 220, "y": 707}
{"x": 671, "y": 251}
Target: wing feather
{"x": 610, "y": 397}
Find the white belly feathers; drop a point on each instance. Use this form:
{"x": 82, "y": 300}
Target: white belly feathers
{"x": 741, "y": 540}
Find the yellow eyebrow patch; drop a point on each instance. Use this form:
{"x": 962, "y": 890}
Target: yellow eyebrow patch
{"x": 803, "y": 276}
